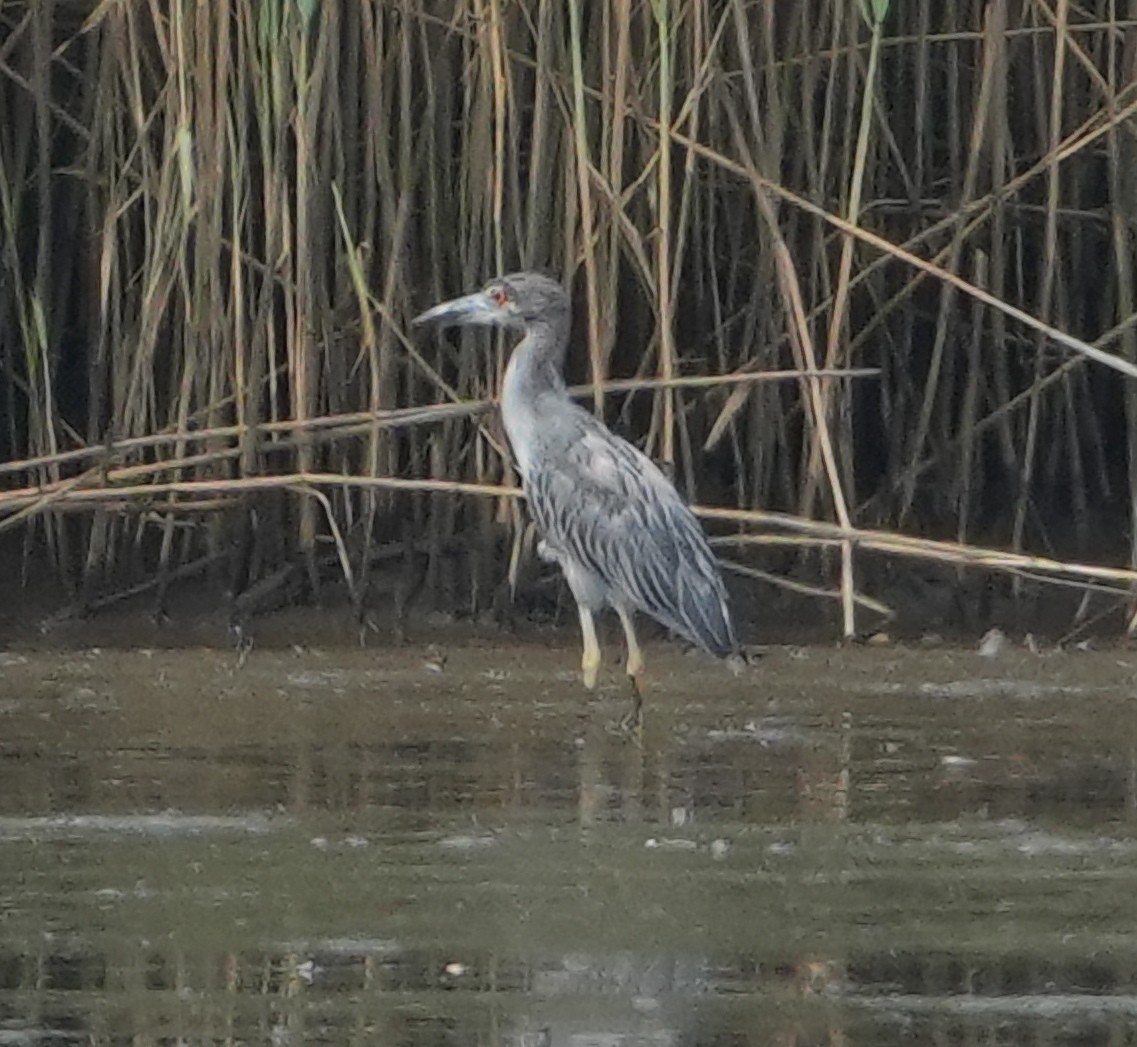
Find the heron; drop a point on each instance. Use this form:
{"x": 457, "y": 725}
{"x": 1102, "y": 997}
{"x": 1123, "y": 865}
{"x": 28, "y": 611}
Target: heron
{"x": 608, "y": 516}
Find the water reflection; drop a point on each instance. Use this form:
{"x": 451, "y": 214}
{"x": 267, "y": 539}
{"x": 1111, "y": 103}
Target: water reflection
{"x": 843, "y": 848}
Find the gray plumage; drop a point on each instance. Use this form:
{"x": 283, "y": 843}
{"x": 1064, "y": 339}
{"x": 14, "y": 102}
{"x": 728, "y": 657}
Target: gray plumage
{"x": 621, "y": 533}
{"x": 616, "y": 525}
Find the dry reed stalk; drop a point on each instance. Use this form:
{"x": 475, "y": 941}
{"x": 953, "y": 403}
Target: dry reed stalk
{"x": 329, "y": 428}
{"x": 819, "y": 531}
{"x": 875, "y": 15}
{"x": 662, "y": 233}
{"x": 899, "y": 253}
{"x": 917, "y": 548}
{"x": 992, "y": 67}
{"x": 1121, "y": 154}
{"x": 803, "y": 347}
{"x": 1054, "y": 119}
{"x": 255, "y": 220}
{"x": 804, "y": 588}
{"x": 12, "y": 501}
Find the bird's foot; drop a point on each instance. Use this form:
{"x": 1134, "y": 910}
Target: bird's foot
{"x": 590, "y": 672}
{"x": 632, "y": 721}
{"x": 738, "y": 661}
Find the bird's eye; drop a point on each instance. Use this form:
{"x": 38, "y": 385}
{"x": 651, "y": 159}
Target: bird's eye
{"x": 500, "y": 295}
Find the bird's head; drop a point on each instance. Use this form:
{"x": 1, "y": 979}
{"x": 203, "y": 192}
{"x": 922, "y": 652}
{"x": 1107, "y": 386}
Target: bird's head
{"x": 516, "y": 302}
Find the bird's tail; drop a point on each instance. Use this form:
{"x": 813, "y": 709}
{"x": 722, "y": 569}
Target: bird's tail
{"x": 709, "y": 624}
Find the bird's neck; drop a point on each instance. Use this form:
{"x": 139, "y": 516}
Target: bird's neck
{"x": 533, "y": 375}
{"x": 535, "y": 367}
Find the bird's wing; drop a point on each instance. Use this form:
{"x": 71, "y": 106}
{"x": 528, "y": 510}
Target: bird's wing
{"x": 603, "y": 502}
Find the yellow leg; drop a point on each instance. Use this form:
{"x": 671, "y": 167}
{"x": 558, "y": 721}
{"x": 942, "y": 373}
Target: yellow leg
{"x": 590, "y": 662}
{"x": 634, "y": 719}
{"x": 635, "y": 655}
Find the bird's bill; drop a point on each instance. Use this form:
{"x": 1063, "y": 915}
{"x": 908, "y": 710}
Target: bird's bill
{"x": 476, "y": 308}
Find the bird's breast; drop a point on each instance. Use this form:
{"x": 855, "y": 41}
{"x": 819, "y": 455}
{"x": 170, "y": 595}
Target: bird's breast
{"x": 521, "y": 430}
{"x": 520, "y": 414}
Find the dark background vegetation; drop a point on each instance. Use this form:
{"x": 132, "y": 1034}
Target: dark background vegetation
{"x": 216, "y": 219}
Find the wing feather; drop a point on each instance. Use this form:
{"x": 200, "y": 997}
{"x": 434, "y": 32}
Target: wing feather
{"x": 605, "y": 504}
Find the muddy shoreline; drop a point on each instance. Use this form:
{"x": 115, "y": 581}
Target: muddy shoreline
{"x": 928, "y": 614}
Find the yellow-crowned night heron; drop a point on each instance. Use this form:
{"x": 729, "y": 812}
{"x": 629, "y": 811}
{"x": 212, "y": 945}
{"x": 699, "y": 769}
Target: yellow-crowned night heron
{"x": 607, "y": 514}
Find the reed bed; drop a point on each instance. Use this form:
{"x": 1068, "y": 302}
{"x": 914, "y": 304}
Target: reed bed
{"x": 859, "y": 265}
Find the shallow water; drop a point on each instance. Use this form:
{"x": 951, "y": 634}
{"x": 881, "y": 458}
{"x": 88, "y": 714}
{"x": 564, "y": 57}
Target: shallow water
{"x": 862, "y": 846}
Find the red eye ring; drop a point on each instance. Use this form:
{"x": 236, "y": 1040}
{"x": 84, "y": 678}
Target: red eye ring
{"x": 499, "y": 295}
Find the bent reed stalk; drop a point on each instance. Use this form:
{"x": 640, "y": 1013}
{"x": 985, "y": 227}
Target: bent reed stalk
{"x": 830, "y": 268}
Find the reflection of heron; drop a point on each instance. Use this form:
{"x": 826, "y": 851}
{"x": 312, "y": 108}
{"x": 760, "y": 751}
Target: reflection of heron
{"x": 608, "y": 516}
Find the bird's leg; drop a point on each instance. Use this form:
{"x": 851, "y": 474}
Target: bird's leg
{"x": 635, "y": 666}
{"x": 635, "y": 655}
{"x": 590, "y": 662}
